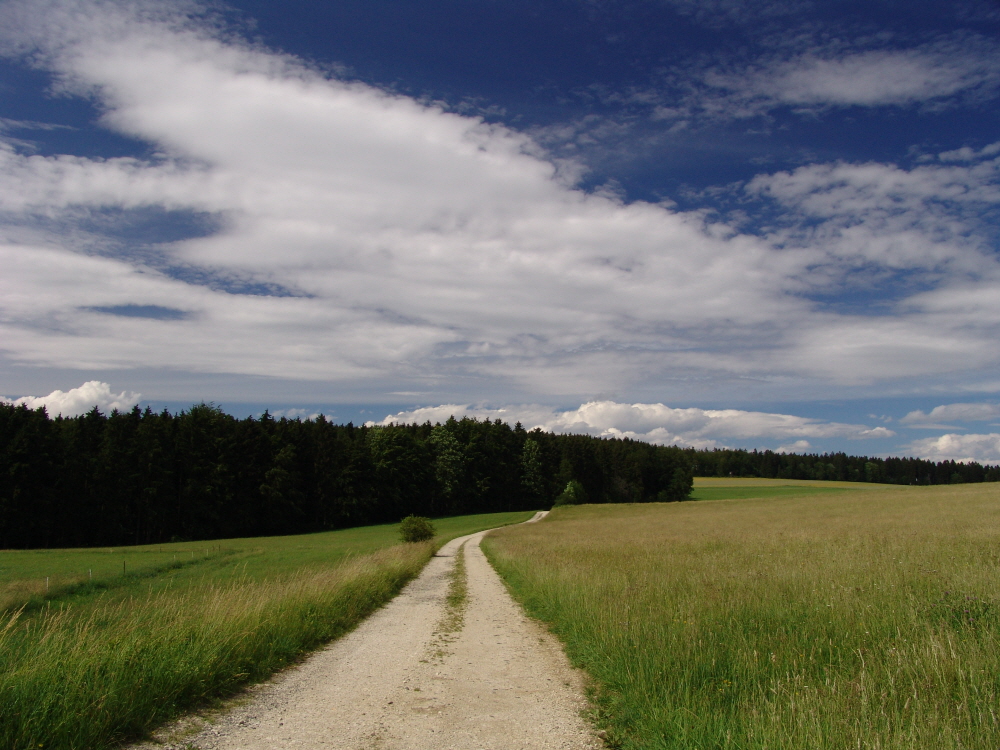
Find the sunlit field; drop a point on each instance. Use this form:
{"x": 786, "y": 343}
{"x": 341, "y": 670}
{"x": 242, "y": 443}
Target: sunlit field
{"x": 97, "y": 660}
{"x": 724, "y": 488}
{"x": 831, "y": 617}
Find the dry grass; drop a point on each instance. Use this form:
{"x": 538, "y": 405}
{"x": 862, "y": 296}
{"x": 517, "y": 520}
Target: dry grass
{"x": 862, "y": 619}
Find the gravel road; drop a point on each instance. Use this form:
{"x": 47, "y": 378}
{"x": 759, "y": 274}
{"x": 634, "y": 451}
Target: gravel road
{"x": 401, "y": 681}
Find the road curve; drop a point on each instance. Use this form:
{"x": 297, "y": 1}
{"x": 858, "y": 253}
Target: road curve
{"x": 398, "y": 682}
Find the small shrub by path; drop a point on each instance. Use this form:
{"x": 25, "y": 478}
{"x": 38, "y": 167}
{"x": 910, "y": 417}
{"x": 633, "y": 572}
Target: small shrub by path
{"x": 93, "y": 669}
{"x": 416, "y": 529}
{"x": 835, "y": 620}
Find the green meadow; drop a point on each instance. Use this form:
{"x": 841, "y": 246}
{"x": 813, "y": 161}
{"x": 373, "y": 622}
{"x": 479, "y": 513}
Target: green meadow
{"x": 77, "y": 574}
{"x": 725, "y": 488}
{"x": 777, "y": 615}
{"x": 124, "y": 639}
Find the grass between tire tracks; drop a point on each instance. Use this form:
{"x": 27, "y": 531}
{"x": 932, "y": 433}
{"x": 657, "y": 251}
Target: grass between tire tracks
{"x": 454, "y": 614}
{"x": 866, "y": 619}
{"x": 99, "y": 667}
{"x": 458, "y": 591}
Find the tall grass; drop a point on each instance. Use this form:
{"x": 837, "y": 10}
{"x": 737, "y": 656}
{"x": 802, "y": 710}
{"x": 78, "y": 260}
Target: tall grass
{"x": 30, "y": 594}
{"x": 848, "y": 620}
{"x": 95, "y": 666}
{"x": 88, "y": 680}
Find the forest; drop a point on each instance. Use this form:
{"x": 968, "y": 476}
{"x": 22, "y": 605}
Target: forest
{"x": 141, "y": 477}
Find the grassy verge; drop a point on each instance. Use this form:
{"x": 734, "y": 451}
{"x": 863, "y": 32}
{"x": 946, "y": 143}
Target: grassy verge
{"x": 865, "y": 619}
{"x": 92, "y": 668}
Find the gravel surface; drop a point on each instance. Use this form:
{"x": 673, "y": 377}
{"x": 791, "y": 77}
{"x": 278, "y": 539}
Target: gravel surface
{"x": 401, "y": 680}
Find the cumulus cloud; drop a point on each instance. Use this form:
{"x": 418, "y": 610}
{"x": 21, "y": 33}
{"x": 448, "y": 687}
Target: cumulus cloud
{"x": 654, "y": 423}
{"x": 976, "y": 412}
{"x": 404, "y": 247}
{"x": 79, "y": 400}
{"x": 954, "y": 447}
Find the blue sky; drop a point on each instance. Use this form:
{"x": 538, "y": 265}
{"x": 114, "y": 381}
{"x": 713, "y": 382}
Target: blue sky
{"x": 758, "y": 224}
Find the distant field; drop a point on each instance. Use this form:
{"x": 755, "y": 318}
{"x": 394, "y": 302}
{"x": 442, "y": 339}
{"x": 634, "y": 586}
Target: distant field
{"x": 91, "y": 663}
{"x": 836, "y": 619}
{"x": 736, "y": 488}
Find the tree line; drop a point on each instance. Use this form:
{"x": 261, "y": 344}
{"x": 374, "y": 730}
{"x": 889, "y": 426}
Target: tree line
{"x": 836, "y": 466}
{"x": 141, "y": 477}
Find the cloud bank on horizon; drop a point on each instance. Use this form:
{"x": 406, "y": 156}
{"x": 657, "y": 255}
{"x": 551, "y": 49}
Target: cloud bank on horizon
{"x": 343, "y": 233}
{"x": 653, "y": 423}
{"x": 77, "y": 401}
{"x": 718, "y": 428}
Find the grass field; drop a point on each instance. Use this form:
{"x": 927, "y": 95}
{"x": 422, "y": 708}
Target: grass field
{"x": 724, "y": 488}
{"x": 838, "y": 619}
{"x": 77, "y": 574}
{"x": 93, "y": 662}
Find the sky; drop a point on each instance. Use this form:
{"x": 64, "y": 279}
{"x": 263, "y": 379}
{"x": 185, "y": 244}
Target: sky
{"x": 714, "y": 223}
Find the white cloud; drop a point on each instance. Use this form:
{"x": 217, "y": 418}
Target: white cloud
{"x": 80, "y": 400}
{"x": 936, "y": 74}
{"x": 425, "y": 249}
{"x": 808, "y": 71}
{"x": 970, "y": 154}
{"x": 888, "y": 217}
{"x": 953, "y": 447}
{"x": 874, "y": 226}
{"x": 976, "y": 412}
{"x": 654, "y": 423}
{"x": 810, "y": 74}
{"x": 418, "y": 239}
{"x": 876, "y": 78}
{"x": 799, "y": 446}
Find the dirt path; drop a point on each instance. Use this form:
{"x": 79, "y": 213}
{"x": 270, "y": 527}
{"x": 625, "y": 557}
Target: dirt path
{"x": 402, "y": 682}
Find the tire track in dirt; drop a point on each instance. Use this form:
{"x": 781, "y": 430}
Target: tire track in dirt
{"x": 401, "y": 681}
